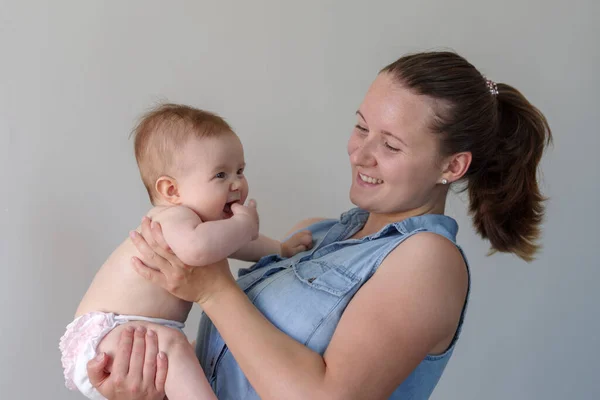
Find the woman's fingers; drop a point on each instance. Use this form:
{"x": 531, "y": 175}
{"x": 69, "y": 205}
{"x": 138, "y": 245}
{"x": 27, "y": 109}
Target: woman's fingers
{"x": 158, "y": 237}
{"x": 152, "y": 257}
{"x": 148, "y": 273}
{"x": 95, "y": 369}
{"x": 147, "y": 232}
{"x": 151, "y": 243}
{"x": 162, "y": 248}
{"x": 161, "y": 372}
{"x": 136, "y": 361}
{"x": 149, "y": 372}
{"x": 142, "y": 246}
{"x": 139, "y": 371}
{"x": 123, "y": 354}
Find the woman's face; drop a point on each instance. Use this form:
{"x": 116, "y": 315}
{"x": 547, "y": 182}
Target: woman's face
{"x": 394, "y": 155}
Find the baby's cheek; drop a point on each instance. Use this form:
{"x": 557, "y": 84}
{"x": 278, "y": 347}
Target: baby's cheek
{"x": 245, "y": 190}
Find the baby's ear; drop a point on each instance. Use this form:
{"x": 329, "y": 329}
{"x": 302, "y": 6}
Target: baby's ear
{"x": 168, "y": 189}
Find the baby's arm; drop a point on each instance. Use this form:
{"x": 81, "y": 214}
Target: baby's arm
{"x": 264, "y": 245}
{"x": 200, "y": 243}
{"x": 257, "y": 249}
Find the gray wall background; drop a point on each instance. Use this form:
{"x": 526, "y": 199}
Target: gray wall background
{"x": 288, "y": 76}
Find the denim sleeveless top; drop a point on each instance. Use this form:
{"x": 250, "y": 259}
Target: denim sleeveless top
{"x": 305, "y": 296}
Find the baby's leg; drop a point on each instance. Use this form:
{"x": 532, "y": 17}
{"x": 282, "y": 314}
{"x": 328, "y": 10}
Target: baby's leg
{"x": 185, "y": 378}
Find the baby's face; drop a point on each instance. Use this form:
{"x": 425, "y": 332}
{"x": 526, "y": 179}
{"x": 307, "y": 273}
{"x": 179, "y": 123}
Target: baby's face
{"x": 212, "y": 176}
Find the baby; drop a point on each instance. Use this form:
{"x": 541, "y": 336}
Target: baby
{"x": 192, "y": 165}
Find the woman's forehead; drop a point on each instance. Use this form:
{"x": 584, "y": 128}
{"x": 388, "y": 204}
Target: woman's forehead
{"x": 391, "y": 107}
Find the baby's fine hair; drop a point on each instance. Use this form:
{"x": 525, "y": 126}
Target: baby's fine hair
{"x": 161, "y": 134}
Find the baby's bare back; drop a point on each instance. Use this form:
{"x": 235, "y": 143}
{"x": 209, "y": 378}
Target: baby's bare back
{"x": 117, "y": 288}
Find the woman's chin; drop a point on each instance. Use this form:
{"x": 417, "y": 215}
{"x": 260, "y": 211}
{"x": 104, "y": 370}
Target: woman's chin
{"x": 359, "y": 201}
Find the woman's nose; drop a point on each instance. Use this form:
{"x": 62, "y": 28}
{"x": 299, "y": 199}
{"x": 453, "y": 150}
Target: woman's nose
{"x": 363, "y": 154}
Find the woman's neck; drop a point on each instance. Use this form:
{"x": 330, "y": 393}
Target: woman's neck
{"x": 375, "y": 222}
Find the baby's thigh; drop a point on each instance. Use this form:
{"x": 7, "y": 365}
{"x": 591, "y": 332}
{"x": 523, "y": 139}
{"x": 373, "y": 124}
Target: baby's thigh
{"x": 168, "y": 339}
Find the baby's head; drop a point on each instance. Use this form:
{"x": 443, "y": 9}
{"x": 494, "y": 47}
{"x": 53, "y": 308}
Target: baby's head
{"x": 192, "y": 158}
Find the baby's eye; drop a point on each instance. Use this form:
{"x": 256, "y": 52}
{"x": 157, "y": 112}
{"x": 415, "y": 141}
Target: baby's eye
{"x": 240, "y": 171}
{"x": 221, "y": 175}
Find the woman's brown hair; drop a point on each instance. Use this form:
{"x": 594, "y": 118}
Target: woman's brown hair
{"x": 505, "y": 134}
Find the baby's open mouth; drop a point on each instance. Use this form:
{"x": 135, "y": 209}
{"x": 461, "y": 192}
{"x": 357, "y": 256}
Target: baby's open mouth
{"x": 227, "y": 208}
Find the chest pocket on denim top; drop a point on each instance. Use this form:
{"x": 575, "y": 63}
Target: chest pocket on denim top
{"x": 298, "y": 299}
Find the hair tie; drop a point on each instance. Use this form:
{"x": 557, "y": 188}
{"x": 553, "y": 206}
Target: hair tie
{"x": 493, "y": 88}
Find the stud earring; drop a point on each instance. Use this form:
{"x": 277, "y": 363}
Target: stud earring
{"x": 444, "y": 181}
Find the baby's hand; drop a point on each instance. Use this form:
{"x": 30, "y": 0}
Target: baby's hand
{"x": 248, "y": 215}
{"x": 299, "y": 242}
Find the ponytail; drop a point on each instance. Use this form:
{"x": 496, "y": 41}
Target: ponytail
{"x": 505, "y": 134}
{"x": 505, "y": 199}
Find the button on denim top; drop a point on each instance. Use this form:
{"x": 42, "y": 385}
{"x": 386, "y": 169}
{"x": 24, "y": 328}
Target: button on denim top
{"x": 305, "y": 296}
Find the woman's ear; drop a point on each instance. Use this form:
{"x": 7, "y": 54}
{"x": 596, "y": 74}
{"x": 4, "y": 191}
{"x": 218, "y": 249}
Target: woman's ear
{"x": 168, "y": 189}
{"x": 456, "y": 166}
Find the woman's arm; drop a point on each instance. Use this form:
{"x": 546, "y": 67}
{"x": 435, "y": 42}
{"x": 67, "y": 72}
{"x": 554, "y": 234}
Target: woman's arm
{"x": 409, "y": 308}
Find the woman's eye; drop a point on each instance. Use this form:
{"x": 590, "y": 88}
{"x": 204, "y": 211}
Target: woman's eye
{"x": 360, "y": 128}
{"x": 220, "y": 175}
{"x": 395, "y": 150}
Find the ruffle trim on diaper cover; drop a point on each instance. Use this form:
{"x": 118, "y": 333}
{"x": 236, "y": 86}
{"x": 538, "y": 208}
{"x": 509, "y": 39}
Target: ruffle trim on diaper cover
{"x": 86, "y": 330}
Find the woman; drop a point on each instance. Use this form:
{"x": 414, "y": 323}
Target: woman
{"x": 375, "y": 308}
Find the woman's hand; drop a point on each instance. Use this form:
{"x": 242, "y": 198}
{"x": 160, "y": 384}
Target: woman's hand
{"x": 139, "y": 371}
{"x": 160, "y": 266}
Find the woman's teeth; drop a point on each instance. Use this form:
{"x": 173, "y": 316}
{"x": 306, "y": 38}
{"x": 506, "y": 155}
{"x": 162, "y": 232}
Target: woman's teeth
{"x": 368, "y": 179}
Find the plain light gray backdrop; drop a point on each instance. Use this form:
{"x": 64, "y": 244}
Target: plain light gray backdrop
{"x": 288, "y": 76}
